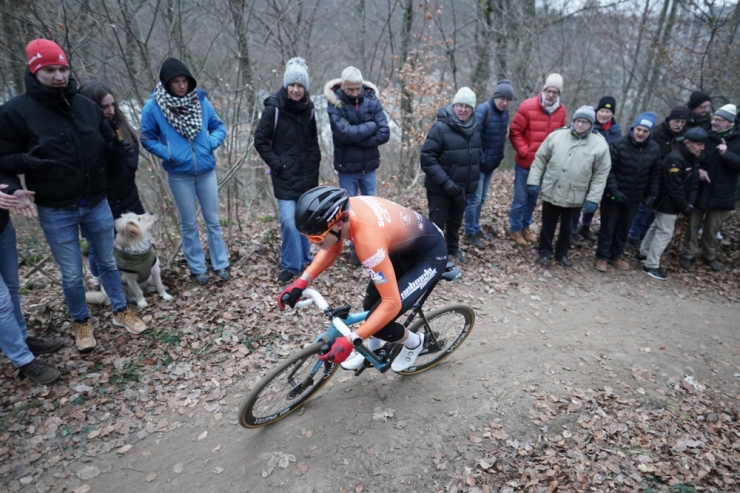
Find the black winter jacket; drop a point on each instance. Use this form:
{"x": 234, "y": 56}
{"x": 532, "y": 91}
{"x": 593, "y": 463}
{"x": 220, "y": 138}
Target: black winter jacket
{"x": 635, "y": 169}
{"x": 13, "y": 185}
{"x": 719, "y": 193}
{"x": 290, "y": 145}
{"x": 358, "y": 127}
{"x": 448, "y": 154}
{"x": 666, "y": 138}
{"x": 679, "y": 176}
{"x": 123, "y": 196}
{"x": 60, "y": 125}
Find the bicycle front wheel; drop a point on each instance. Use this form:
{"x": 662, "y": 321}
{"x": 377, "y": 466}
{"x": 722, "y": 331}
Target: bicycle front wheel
{"x": 451, "y": 325}
{"x": 286, "y": 388}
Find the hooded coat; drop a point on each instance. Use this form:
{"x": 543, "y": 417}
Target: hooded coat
{"x": 493, "y": 124}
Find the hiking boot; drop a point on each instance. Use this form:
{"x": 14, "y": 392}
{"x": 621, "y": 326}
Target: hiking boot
{"x": 84, "y": 338}
{"x": 40, "y": 373}
{"x": 565, "y": 261}
{"x": 129, "y": 321}
{"x": 518, "y": 239}
{"x": 654, "y": 273}
{"x": 586, "y": 234}
{"x": 354, "y": 260}
{"x": 222, "y": 274}
{"x": 685, "y": 263}
{"x": 459, "y": 256}
{"x": 576, "y": 241}
{"x": 201, "y": 278}
{"x": 620, "y": 263}
{"x": 712, "y": 264}
{"x": 475, "y": 241}
{"x": 544, "y": 261}
{"x": 43, "y": 346}
{"x": 600, "y": 265}
{"x": 406, "y": 358}
{"x": 354, "y": 362}
{"x": 528, "y": 236}
{"x": 484, "y": 236}
{"x": 640, "y": 257}
{"x": 286, "y": 276}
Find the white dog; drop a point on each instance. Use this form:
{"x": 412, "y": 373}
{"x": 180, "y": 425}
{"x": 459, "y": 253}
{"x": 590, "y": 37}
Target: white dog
{"x": 137, "y": 263}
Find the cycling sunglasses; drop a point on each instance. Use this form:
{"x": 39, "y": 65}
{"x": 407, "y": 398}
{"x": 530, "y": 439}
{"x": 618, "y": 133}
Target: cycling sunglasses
{"x": 317, "y": 238}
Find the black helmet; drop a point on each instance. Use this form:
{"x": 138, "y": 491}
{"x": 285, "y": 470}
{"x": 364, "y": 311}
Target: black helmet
{"x": 320, "y": 208}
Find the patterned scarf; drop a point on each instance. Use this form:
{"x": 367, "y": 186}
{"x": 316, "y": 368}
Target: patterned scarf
{"x": 184, "y": 114}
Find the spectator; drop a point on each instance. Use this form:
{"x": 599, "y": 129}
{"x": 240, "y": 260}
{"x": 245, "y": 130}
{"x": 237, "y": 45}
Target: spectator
{"x": 570, "y": 167}
{"x": 634, "y": 177}
{"x": 665, "y": 136}
{"x": 608, "y": 127}
{"x": 718, "y": 173}
{"x": 16, "y": 344}
{"x": 676, "y": 194}
{"x": 450, "y": 159}
{"x": 61, "y": 142}
{"x": 535, "y": 118}
{"x": 493, "y": 120}
{"x": 123, "y": 196}
{"x": 180, "y": 126}
{"x": 700, "y": 104}
{"x": 287, "y": 140}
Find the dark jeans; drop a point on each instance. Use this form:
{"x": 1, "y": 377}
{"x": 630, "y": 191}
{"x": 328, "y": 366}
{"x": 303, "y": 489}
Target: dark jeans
{"x": 615, "y": 225}
{"x": 447, "y": 213}
{"x": 642, "y": 221}
{"x": 550, "y": 215}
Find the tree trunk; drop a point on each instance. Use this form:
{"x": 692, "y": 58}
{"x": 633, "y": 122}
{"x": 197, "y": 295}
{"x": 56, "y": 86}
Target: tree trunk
{"x": 483, "y": 39}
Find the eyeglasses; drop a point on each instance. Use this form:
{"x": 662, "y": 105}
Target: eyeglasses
{"x": 581, "y": 122}
{"x": 552, "y": 92}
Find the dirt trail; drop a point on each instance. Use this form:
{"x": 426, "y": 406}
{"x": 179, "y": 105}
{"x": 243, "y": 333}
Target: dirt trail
{"x": 562, "y": 330}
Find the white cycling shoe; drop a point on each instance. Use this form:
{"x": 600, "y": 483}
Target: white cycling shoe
{"x": 407, "y": 357}
{"x": 354, "y": 362}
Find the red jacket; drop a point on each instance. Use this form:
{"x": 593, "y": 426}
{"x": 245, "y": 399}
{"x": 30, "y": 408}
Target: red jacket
{"x": 531, "y": 125}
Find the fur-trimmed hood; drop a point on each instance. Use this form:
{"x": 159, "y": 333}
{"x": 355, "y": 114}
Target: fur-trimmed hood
{"x": 369, "y": 90}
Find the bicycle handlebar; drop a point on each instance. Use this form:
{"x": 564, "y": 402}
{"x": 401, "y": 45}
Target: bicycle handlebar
{"x": 315, "y": 298}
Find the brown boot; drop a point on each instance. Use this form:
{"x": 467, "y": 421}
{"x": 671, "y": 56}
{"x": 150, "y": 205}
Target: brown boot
{"x": 601, "y": 265}
{"x": 528, "y": 236}
{"x": 620, "y": 264}
{"x": 517, "y": 237}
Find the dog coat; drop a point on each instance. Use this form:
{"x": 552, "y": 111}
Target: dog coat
{"x": 136, "y": 263}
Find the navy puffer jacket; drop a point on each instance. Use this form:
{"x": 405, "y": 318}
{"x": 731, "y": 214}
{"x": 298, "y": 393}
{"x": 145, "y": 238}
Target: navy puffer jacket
{"x": 449, "y": 154}
{"x": 358, "y": 127}
{"x": 493, "y": 134}
{"x": 635, "y": 169}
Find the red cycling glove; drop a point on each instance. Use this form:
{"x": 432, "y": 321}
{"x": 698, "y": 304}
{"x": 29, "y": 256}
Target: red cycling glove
{"x": 292, "y": 293}
{"x": 340, "y": 351}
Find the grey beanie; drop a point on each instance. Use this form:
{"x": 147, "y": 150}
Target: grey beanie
{"x": 585, "y": 112}
{"x": 296, "y": 72}
{"x": 465, "y": 96}
{"x": 504, "y": 89}
{"x": 728, "y": 112}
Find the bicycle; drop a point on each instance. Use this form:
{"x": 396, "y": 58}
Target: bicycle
{"x": 297, "y": 378}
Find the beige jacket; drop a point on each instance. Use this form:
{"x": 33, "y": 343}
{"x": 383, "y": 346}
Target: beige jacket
{"x": 571, "y": 171}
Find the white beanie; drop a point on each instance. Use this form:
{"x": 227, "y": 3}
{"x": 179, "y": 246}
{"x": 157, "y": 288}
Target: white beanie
{"x": 465, "y": 96}
{"x": 728, "y": 112}
{"x": 296, "y": 72}
{"x": 554, "y": 80}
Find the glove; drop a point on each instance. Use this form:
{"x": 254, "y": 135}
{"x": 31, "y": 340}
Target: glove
{"x": 688, "y": 210}
{"x": 589, "y": 207}
{"x": 292, "y": 293}
{"x": 648, "y": 201}
{"x": 340, "y": 351}
{"x": 120, "y": 149}
{"x": 533, "y": 189}
{"x": 453, "y": 189}
{"x": 618, "y": 197}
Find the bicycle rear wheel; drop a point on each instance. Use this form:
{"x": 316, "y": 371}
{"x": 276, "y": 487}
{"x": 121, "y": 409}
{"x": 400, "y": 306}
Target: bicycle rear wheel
{"x": 285, "y": 388}
{"x": 451, "y": 325}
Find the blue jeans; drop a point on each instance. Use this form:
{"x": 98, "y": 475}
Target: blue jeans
{"x": 523, "y": 203}
{"x": 644, "y": 218}
{"x": 62, "y": 230}
{"x": 12, "y": 324}
{"x": 295, "y": 249}
{"x": 586, "y": 221}
{"x": 185, "y": 189}
{"x": 364, "y": 181}
{"x": 475, "y": 205}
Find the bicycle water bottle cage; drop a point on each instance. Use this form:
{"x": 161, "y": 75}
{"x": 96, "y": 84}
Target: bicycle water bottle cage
{"x": 341, "y": 312}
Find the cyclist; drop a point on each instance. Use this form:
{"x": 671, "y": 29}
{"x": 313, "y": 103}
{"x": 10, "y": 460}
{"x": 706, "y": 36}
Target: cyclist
{"x": 402, "y": 251}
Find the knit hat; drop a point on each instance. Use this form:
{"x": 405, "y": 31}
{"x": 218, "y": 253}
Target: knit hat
{"x": 697, "y": 98}
{"x": 171, "y": 68}
{"x": 728, "y": 112}
{"x": 44, "y": 52}
{"x": 296, "y": 72}
{"x": 609, "y": 103}
{"x": 465, "y": 96}
{"x": 504, "y": 89}
{"x": 554, "y": 80}
{"x": 679, "y": 112}
{"x": 696, "y": 134}
{"x": 585, "y": 112}
{"x": 646, "y": 120}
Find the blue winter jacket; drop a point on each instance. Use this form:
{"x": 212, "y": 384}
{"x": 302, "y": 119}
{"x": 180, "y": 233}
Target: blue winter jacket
{"x": 614, "y": 132}
{"x": 358, "y": 127}
{"x": 179, "y": 156}
{"x": 493, "y": 134}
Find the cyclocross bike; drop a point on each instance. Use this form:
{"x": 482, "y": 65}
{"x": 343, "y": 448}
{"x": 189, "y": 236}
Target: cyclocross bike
{"x": 297, "y": 378}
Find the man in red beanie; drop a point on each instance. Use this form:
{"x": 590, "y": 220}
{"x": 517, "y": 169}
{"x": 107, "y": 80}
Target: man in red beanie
{"x": 61, "y": 142}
